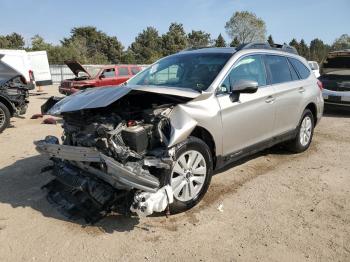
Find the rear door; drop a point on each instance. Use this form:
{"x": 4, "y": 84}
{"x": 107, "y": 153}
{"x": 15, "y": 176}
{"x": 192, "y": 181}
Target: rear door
{"x": 289, "y": 90}
{"x": 251, "y": 119}
{"x": 123, "y": 74}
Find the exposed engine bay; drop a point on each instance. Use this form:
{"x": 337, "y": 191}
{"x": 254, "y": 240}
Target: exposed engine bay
{"x": 113, "y": 158}
{"x": 15, "y": 90}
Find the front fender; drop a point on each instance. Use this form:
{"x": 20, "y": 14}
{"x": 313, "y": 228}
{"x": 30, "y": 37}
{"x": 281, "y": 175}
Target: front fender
{"x": 182, "y": 125}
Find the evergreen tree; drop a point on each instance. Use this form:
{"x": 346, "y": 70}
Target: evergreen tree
{"x": 235, "y": 42}
{"x": 147, "y": 46}
{"x": 198, "y": 39}
{"x": 220, "y": 41}
{"x": 174, "y": 40}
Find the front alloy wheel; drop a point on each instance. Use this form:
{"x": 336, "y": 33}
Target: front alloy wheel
{"x": 188, "y": 175}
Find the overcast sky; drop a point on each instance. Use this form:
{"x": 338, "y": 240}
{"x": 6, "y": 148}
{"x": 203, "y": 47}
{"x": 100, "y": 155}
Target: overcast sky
{"x": 308, "y": 19}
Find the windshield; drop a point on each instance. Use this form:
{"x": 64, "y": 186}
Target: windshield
{"x": 192, "y": 70}
{"x": 93, "y": 70}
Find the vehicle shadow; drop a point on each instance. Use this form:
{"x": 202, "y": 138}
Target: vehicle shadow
{"x": 21, "y": 185}
{"x": 340, "y": 113}
{"x": 275, "y": 150}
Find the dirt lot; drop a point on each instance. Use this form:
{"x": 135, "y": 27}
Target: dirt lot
{"x": 276, "y": 207}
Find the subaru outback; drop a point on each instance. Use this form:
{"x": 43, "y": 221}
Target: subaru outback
{"x": 152, "y": 144}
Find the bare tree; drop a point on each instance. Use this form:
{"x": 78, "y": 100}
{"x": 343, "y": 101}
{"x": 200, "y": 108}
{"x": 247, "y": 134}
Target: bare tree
{"x": 246, "y": 27}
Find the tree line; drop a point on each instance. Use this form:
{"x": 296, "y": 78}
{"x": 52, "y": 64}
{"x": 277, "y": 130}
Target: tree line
{"x": 88, "y": 45}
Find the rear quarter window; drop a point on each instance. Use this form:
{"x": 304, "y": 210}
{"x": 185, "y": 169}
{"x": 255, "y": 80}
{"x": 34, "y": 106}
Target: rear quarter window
{"x": 302, "y": 70}
{"x": 123, "y": 71}
{"x": 135, "y": 70}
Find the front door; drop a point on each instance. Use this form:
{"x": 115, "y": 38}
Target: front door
{"x": 107, "y": 77}
{"x": 251, "y": 119}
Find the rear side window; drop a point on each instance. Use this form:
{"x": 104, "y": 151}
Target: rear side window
{"x": 303, "y": 71}
{"x": 278, "y": 68}
{"x": 123, "y": 71}
{"x": 293, "y": 72}
{"x": 135, "y": 70}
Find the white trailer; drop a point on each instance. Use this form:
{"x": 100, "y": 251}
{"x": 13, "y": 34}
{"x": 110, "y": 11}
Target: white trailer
{"x": 40, "y": 66}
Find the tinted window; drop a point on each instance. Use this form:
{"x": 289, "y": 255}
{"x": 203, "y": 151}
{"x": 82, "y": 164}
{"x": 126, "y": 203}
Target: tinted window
{"x": 135, "y": 70}
{"x": 123, "y": 71}
{"x": 109, "y": 73}
{"x": 303, "y": 71}
{"x": 248, "y": 68}
{"x": 279, "y": 69}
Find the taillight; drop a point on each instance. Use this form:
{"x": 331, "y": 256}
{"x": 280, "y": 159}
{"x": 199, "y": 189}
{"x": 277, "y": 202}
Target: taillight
{"x": 31, "y": 75}
{"x": 320, "y": 85}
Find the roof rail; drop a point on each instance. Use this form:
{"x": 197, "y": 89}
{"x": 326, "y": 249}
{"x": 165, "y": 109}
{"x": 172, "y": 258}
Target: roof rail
{"x": 266, "y": 45}
{"x": 191, "y": 48}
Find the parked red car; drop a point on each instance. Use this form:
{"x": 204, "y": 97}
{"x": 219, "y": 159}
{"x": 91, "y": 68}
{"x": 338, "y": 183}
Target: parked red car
{"x": 96, "y": 76}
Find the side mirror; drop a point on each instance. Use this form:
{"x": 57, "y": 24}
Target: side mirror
{"x": 101, "y": 77}
{"x": 242, "y": 86}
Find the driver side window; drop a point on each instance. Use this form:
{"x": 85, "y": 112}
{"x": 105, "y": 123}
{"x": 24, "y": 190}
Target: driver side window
{"x": 108, "y": 73}
{"x": 248, "y": 68}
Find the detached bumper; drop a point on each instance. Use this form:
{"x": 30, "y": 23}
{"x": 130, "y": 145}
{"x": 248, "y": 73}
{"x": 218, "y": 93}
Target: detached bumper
{"x": 124, "y": 177}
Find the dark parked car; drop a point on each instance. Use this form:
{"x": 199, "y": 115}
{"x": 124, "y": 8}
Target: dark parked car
{"x": 96, "y": 76}
{"x": 13, "y": 94}
{"x": 335, "y": 77}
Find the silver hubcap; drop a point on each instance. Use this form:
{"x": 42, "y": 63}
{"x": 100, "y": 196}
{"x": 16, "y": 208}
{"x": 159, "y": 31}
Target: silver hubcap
{"x": 305, "y": 131}
{"x": 2, "y": 117}
{"x": 188, "y": 175}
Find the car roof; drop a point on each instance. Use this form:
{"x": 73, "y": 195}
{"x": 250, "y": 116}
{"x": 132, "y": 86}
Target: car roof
{"x": 116, "y": 66}
{"x": 225, "y": 50}
{"x": 256, "y": 46}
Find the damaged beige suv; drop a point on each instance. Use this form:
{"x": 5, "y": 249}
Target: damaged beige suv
{"x": 152, "y": 144}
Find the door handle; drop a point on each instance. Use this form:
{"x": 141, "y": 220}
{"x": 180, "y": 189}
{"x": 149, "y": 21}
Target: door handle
{"x": 301, "y": 90}
{"x": 270, "y": 99}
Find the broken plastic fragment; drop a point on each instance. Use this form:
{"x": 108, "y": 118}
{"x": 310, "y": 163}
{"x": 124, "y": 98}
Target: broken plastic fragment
{"x": 147, "y": 203}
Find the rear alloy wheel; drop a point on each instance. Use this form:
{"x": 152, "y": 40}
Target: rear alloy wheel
{"x": 4, "y": 117}
{"x": 190, "y": 175}
{"x": 303, "y": 138}
{"x": 305, "y": 131}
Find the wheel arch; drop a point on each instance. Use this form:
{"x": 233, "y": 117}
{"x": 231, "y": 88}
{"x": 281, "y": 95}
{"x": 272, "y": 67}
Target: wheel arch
{"x": 312, "y": 107}
{"x": 8, "y": 104}
{"x": 204, "y": 134}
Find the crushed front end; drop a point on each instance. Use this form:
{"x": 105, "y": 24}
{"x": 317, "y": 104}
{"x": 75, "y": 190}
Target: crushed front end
{"x": 15, "y": 90}
{"x": 112, "y": 158}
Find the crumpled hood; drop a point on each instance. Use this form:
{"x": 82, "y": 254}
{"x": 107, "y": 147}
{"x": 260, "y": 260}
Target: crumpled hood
{"x": 102, "y": 97}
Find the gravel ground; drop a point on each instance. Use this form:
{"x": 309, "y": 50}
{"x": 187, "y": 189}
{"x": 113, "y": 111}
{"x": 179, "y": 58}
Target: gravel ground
{"x": 275, "y": 207}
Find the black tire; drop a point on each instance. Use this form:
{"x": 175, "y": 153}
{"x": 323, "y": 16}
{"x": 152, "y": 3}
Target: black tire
{"x": 4, "y": 111}
{"x": 295, "y": 145}
{"x": 190, "y": 144}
